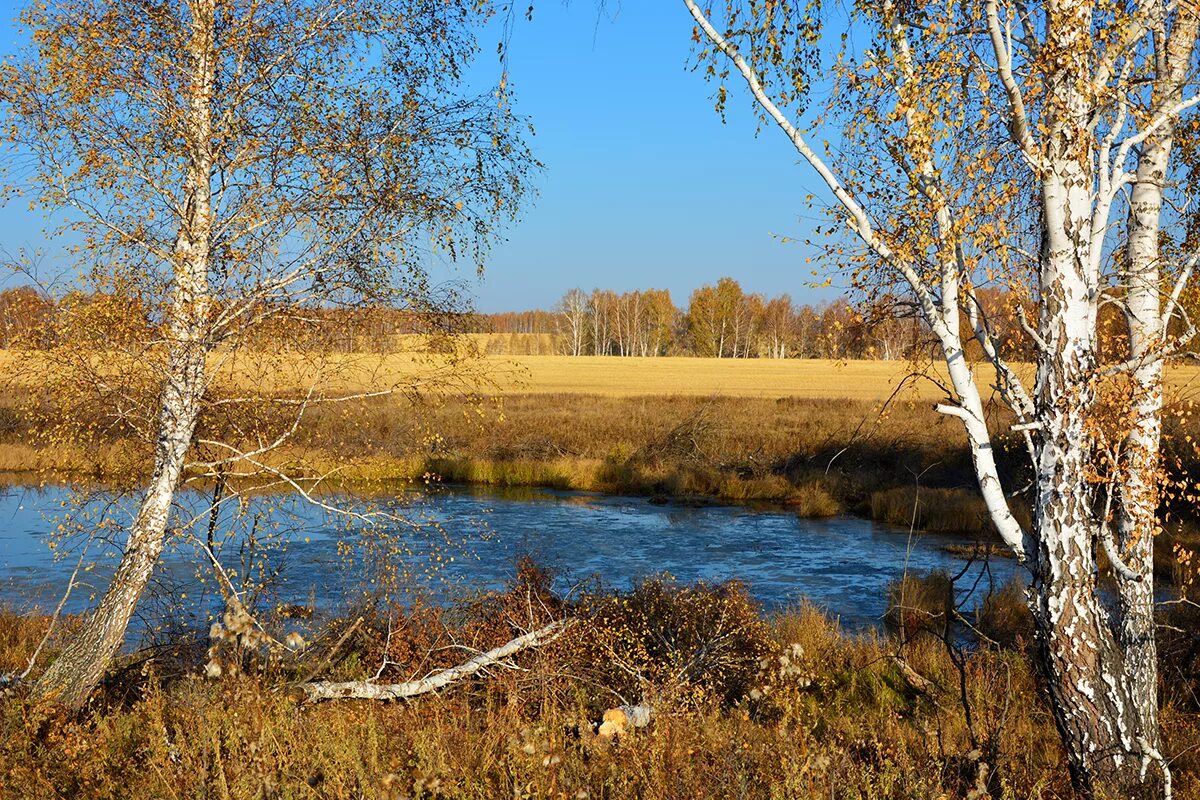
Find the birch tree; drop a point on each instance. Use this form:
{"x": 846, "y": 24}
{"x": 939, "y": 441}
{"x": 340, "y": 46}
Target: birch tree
{"x": 601, "y": 310}
{"x": 961, "y": 123}
{"x": 228, "y": 162}
{"x": 660, "y": 320}
{"x": 779, "y": 326}
{"x": 573, "y": 312}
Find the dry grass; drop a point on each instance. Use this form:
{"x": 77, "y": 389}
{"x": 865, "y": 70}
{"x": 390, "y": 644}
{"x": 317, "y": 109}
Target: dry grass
{"x": 786, "y": 707}
{"x": 936, "y": 510}
{"x": 800, "y": 712}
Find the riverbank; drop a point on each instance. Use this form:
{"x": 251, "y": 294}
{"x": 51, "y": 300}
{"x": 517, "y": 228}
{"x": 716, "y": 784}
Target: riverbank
{"x": 819, "y": 456}
{"x": 743, "y": 705}
{"x": 902, "y": 464}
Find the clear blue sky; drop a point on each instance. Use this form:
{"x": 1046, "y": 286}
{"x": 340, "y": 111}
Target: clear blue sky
{"x": 644, "y": 186}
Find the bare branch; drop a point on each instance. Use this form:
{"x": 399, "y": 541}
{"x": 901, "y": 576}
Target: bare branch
{"x": 364, "y": 690}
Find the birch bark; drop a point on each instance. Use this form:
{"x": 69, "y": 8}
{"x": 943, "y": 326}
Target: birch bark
{"x": 1095, "y": 708}
{"x": 1137, "y": 512}
{"x": 82, "y": 663}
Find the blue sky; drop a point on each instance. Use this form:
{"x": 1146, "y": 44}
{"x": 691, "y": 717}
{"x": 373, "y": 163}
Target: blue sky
{"x": 644, "y": 186}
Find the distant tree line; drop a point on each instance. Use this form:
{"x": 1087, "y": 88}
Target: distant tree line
{"x": 724, "y": 321}
{"x": 33, "y": 319}
{"x": 720, "y": 320}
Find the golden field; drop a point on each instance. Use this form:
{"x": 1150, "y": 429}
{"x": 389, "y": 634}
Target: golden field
{"x": 612, "y": 376}
{"x": 703, "y": 377}
{"x": 605, "y": 376}
{"x": 813, "y": 379}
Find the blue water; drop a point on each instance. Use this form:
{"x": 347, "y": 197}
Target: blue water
{"x": 459, "y": 541}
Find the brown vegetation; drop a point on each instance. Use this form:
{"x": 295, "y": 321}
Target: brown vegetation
{"x": 904, "y": 465}
{"x": 744, "y": 706}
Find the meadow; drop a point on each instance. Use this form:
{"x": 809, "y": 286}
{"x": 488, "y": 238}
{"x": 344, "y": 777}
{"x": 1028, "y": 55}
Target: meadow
{"x": 800, "y": 379}
{"x": 612, "y": 376}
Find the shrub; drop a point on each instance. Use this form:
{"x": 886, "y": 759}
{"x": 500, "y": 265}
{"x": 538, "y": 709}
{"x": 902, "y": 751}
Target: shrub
{"x": 919, "y": 605}
{"x": 813, "y": 500}
{"x": 934, "y": 510}
{"x": 663, "y": 640}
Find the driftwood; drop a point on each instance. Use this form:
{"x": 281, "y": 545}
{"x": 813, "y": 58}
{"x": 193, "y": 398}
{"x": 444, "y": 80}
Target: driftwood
{"x": 365, "y": 690}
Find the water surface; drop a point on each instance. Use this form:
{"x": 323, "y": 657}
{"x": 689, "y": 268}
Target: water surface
{"x": 843, "y": 564}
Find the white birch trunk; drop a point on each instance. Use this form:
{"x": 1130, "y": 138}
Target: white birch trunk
{"x": 82, "y": 663}
{"x": 1095, "y": 708}
{"x": 1098, "y": 709}
{"x": 1137, "y": 513}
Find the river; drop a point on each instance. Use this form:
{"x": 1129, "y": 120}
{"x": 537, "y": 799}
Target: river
{"x": 474, "y": 539}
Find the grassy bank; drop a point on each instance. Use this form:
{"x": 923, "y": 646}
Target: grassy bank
{"x": 744, "y": 706}
{"x": 903, "y": 464}
{"x": 819, "y": 456}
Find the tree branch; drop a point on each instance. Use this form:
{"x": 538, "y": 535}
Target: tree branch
{"x": 365, "y": 690}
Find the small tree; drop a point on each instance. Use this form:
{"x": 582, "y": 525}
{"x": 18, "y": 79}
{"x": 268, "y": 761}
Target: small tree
{"x": 228, "y": 164}
{"x": 24, "y": 317}
{"x": 961, "y": 123}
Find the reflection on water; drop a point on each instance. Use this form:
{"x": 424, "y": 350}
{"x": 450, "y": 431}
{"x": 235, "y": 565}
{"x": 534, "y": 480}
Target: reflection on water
{"x": 842, "y": 564}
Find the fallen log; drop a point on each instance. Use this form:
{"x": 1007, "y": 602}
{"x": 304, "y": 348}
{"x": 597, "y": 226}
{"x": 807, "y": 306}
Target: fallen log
{"x": 365, "y": 690}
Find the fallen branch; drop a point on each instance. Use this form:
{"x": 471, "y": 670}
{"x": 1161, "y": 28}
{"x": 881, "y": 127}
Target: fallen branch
{"x": 365, "y": 690}
{"x": 916, "y": 680}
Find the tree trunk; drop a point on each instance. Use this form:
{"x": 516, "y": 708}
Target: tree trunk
{"x": 1137, "y": 519}
{"x": 1096, "y": 709}
{"x": 83, "y": 661}
{"x": 1137, "y": 512}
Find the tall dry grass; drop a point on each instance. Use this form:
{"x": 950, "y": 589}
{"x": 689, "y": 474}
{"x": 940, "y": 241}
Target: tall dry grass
{"x": 780, "y": 707}
{"x": 836, "y": 720}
